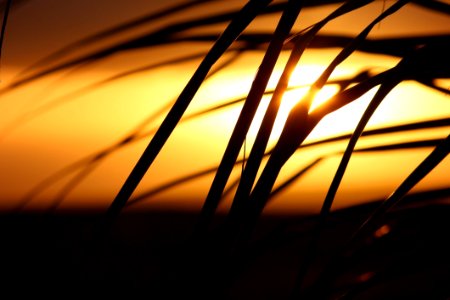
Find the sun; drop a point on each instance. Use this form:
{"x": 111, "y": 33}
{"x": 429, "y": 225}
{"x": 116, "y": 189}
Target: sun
{"x": 290, "y": 98}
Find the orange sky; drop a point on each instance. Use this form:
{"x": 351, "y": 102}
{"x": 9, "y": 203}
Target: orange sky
{"x": 89, "y": 122}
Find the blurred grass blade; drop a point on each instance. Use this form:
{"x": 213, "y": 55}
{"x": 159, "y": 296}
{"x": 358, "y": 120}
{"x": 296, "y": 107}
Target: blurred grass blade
{"x": 399, "y": 46}
{"x": 3, "y": 29}
{"x": 388, "y": 147}
{"x": 295, "y": 177}
{"x": 97, "y": 37}
{"x": 30, "y": 115}
{"x": 401, "y": 146}
{"x": 234, "y": 29}
{"x": 173, "y": 183}
{"x": 438, "y": 6}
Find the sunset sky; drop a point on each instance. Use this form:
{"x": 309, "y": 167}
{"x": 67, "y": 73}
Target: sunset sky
{"x": 54, "y": 121}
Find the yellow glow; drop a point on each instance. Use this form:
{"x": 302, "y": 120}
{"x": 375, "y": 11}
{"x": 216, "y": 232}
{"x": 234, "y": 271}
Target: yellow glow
{"x": 290, "y": 98}
{"x": 302, "y": 76}
{"x": 344, "y": 119}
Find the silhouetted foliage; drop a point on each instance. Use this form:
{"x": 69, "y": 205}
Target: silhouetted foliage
{"x": 227, "y": 250}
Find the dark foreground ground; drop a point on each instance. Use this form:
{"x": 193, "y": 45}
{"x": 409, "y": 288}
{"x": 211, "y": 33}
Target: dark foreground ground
{"x": 146, "y": 256}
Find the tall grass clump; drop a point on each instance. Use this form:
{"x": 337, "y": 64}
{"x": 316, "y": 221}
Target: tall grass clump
{"x": 223, "y": 248}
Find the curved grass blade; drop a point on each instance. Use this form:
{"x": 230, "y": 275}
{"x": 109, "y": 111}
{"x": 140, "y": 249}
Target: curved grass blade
{"x": 295, "y": 177}
{"x": 115, "y": 30}
{"x": 378, "y": 98}
{"x": 380, "y": 148}
{"x": 3, "y": 29}
{"x": 97, "y": 37}
{"x": 438, "y": 6}
{"x": 444, "y": 122}
{"x": 439, "y": 153}
{"x": 398, "y": 47}
{"x": 72, "y": 184}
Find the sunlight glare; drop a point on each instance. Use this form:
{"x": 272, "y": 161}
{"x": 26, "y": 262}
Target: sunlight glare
{"x": 290, "y": 98}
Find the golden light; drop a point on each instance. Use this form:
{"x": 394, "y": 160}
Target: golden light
{"x": 290, "y": 98}
{"x": 300, "y": 82}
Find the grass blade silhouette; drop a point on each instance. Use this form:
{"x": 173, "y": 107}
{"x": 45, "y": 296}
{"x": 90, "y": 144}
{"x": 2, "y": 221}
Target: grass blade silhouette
{"x": 372, "y": 107}
{"x": 437, "y": 6}
{"x": 3, "y": 29}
